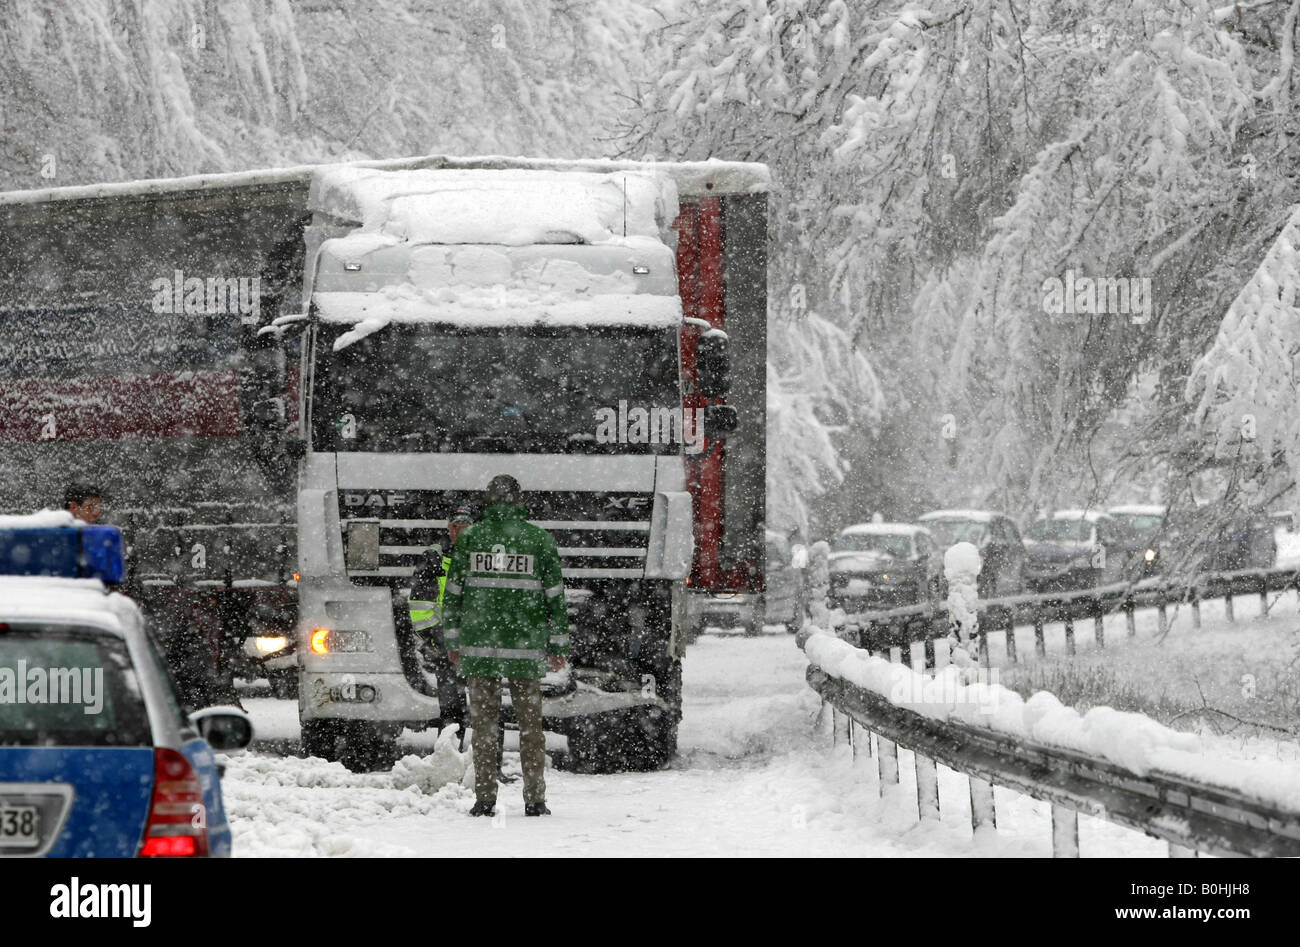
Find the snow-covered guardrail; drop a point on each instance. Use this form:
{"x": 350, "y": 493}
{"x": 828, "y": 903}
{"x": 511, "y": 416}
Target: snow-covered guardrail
{"x": 899, "y": 627}
{"x": 1118, "y": 766}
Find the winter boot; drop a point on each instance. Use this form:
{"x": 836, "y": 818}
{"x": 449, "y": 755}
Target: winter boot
{"x": 536, "y": 808}
{"x": 483, "y": 808}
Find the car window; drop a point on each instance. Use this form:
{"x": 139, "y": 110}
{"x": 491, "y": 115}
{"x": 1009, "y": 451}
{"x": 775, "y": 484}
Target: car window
{"x": 172, "y": 705}
{"x": 78, "y": 686}
{"x": 950, "y": 532}
{"x": 1062, "y": 531}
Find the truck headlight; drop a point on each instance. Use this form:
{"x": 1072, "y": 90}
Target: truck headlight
{"x": 329, "y": 641}
{"x": 1149, "y": 555}
{"x": 270, "y": 644}
{"x": 362, "y": 545}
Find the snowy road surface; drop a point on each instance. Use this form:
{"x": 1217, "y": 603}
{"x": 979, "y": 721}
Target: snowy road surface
{"x": 757, "y": 775}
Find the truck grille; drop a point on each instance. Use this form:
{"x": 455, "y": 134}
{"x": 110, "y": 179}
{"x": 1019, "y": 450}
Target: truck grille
{"x": 597, "y": 539}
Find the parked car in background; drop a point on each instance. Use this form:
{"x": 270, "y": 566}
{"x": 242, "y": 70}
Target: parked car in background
{"x": 1244, "y": 542}
{"x": 1075, "y": 549}
{"x": 106, "y": 763}
{"x": 1002, "y": 551}
{"x": 884, "y": 565}
{"x": 1144, "y": 525}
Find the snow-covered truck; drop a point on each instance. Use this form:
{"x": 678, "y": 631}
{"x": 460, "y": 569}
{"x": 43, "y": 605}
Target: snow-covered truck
{"x": 595, "y": 328}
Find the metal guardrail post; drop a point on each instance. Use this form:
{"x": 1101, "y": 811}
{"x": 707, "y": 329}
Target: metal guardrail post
{"x": 1129, "y": 620}
{"x": 927, "y": 787}
{"x": 1069, "y": 635}
{"x": 1040, "y": 644}
{"x": 887, "y": 758}
{"x": 1196, "y": 609}
{"x": 1099, "y": 627}
{"x": 1162, "y": 615}
{"x": 1065, "y": 832}
{"x": 1011, "y": 636}
{"x": 1263, "y": 596}
{"x": 1227, "y": 606}
{"x": 983, "y": 815}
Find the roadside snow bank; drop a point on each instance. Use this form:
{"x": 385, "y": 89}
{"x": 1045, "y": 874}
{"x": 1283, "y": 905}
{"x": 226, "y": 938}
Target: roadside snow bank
{"x": 1133, "y": 741}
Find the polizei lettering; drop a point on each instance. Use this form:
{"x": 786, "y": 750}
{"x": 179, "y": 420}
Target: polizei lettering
{"x": 510, "y": 563}
{"x": 104, "y": 900}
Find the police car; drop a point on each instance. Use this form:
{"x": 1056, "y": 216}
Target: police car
{"x": 97, "y": 757}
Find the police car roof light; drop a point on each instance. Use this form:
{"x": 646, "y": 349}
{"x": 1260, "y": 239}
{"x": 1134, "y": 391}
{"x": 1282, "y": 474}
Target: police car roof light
{"x": 70, "y": 552}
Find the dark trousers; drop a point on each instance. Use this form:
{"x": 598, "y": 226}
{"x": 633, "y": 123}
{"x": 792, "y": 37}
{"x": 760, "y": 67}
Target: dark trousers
{"x": 485, "y": 714}
{"x": 451, "y": 686}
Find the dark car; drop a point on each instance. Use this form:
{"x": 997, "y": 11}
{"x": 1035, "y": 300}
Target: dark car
{"x": 1002, "y": 551}
{"x": 1144, "y": 526}
{"x": 1245, "y": 542}
{"x": 884, "y": 565}
{"x": 1075, "y": 549}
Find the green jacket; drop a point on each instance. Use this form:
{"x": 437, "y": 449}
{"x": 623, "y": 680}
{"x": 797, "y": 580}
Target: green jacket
{"x": 504, "y": 607}
{"x": 424, "y": 604}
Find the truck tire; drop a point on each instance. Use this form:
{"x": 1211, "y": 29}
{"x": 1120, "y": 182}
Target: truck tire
{"x": 365, "y": 747}
{"x": 320, "y": 739}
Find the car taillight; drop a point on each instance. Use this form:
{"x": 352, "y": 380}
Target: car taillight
{"x": 178, "y": 824}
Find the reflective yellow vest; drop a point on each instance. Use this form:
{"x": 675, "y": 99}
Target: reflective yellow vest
{"x": 424, "y": 613}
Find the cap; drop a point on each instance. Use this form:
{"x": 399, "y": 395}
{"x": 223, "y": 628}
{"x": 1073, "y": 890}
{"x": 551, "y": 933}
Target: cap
{"x": 504, "y": 488}
{"x": 462, "y": 515}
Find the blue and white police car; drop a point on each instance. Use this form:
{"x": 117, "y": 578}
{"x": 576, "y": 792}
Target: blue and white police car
{"x": 97, "y": 758}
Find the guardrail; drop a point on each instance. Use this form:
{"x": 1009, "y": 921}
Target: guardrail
{"x": 1190, "y": 816}
{"x": 899, "y": 627}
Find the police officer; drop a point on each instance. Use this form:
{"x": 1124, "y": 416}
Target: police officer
{"x": 425, "y": 604}
{"x": 505, "y": 616}
{"x": 84, "y": 501}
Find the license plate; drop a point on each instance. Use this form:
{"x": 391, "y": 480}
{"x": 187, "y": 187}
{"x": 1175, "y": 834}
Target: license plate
{"x": 20, "y": 826}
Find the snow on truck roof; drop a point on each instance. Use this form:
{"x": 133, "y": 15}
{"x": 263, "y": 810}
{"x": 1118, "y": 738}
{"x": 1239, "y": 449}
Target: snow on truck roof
{"x": 510, "y": 207}
{"x": 496, "y": 248}
{"x": 693, "y": 179}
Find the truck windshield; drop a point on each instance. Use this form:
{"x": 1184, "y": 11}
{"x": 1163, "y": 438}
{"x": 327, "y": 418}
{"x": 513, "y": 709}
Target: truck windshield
{"x": 430, "y": 387}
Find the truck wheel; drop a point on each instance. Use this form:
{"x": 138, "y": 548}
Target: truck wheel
{"x": 320, "y": 738}
{"x": 637, "y": 741}
{"x": 365, "y": 748}
{"x": 284, "y": 684}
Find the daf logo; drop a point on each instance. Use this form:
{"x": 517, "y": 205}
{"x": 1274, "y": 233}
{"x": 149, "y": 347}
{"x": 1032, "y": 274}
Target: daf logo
{"x": 374, "y": 499}
{"x": 626, "y": 503}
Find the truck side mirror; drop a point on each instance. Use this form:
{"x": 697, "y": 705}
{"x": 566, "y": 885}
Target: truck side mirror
{"x": 712, "y": 364}
{"x": 720, "y": 420}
